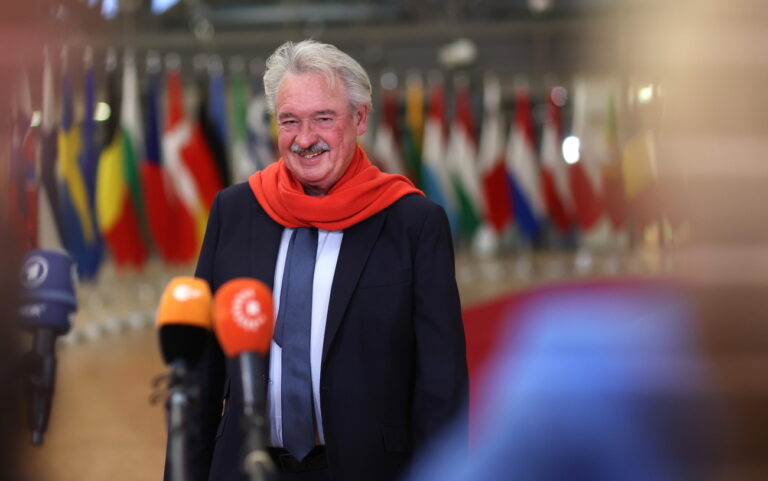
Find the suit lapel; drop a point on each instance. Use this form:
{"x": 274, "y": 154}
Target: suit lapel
{"x": 263, "y": 246}
{"x": 355, "y": 248}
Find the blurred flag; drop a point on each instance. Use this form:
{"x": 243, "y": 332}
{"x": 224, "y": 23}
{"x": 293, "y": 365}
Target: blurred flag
{"x": 157, "y": 188}
{"x": 461, "y": 158}
{"x": 588, "y": 204}
{"x": 639, "y": 177}
{"x": 191, "y": 169}
{"x": 554, "y": 174}
{"x": 260, "y": 144}
{"x": 496, "y": 188}
{"x": 117, "y": 181}
{"x": 21, "y": 189}
{"x": 203, "y": 165}
{"x": 132, "y": 140}
{"x": 79, "y": 234}
{"x": 434, "y": 173}
{"x": 413, "y": 135}
{"x": 242, "y": 163}
{"x": 613, "y": 183}
{"x": 386, "y": 144}
{"x": 212, "y": 126}
{"x": 583, "y": 178}
{"x": 528, "y": 201}
{"x": 50, "y": 226}
{"x": 89, "y": 157}
{"x": 217, "y": 97}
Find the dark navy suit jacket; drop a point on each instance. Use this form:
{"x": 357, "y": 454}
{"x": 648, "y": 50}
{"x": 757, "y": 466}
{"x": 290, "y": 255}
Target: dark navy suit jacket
{"x": 394, "y": 362}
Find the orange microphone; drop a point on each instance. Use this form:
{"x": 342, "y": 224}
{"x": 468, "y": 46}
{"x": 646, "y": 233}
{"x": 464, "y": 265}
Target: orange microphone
{"x": 243, "y": 318}
{"x": 184, "y": 325}
{"x": 184, "y": 320}
{"x": 243, "y": 315}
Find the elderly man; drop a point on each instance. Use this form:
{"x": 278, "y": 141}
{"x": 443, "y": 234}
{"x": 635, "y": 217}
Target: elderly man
{"x": 368, "y": 358}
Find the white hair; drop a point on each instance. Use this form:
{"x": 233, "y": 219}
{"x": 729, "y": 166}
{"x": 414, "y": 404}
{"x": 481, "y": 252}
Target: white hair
{"x": 312, "y": 56}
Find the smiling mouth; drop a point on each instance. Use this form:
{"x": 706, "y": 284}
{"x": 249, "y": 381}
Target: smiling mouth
{"x": 312, "y": 151}
{"x": 312, "y": 155}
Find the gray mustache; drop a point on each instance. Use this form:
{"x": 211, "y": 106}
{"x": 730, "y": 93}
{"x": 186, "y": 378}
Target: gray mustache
{"x": 319, "y": 146}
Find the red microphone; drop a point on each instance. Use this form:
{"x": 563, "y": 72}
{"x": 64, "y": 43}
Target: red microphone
{"x": 243, "y": 316}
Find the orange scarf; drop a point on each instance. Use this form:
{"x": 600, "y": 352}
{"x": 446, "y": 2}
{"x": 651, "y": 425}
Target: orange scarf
{"x": 361, "y": 192}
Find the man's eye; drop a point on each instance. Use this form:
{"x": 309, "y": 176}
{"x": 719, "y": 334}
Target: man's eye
{"x": 288, "y": 123}
{"x": 325, "y": 119}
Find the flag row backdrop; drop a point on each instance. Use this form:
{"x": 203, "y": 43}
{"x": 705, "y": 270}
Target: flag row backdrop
{"x": 142, "y": 179}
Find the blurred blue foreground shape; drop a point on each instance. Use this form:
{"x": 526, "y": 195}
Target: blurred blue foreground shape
{"x": 598, "y": 385}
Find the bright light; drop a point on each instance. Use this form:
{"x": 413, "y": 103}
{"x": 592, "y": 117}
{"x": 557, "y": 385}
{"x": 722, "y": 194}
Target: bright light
{"x": 102, "y": 112}
{"x": 645, "y": 94}
{"x": 389, "y": 81}
{"x": 37, "y": 117}
{"x": 160, "y": 6}
{"x": 110, "y": 9}
{"x": 459, "y": 53}
{"x": 203, "y": 29}
{"x": 539, "y": 6}
{"x": 571, "y": 147}
{"x": 559, "y": 96}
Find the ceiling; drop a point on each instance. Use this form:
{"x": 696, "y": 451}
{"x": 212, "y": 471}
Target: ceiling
{"x": 515, "y": 35}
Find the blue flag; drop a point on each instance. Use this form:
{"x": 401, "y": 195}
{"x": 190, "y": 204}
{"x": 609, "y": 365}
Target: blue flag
{"x": 89, "y": 159}
{"x": 80, "y": 236}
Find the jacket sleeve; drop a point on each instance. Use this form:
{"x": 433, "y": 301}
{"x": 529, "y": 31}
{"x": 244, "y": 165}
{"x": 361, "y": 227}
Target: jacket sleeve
{"x": 208, "y": 376}
{"x": 441, "y": 383}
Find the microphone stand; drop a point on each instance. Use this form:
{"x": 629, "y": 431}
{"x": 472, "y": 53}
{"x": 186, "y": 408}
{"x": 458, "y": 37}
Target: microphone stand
{"x": 179, "y": 401}
{"x": 41, "y": 366}
{"x": 257, "y": 462}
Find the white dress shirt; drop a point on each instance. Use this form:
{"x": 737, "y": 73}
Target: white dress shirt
{"x": 328, "y": 246}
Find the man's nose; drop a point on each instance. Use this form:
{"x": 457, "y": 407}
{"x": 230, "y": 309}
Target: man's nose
{"x": 306, "y": 135}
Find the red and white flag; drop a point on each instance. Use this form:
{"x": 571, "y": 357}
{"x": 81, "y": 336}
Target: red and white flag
{"x": 190, "y": 169}
{"x": 583, "y": 169}
{"x": 386, "y": 144}
{"x": 554, "y": 174}
{"x": 496, "y": 193}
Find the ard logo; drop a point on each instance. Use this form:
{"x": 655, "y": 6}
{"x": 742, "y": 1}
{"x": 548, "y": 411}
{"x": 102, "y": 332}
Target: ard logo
{"x": 34, "y": 272}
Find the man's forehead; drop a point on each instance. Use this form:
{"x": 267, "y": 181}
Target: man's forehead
{"x": 309, "y": 94}
{"x": 310, "y": 83}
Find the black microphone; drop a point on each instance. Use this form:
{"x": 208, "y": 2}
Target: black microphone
{"x": 184, "y": 323}
{"x": 243, "y": 318}
{"x": 48, "y": 281}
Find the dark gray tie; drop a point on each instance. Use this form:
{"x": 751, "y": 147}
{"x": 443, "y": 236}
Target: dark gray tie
{"x": 292, "y": 334}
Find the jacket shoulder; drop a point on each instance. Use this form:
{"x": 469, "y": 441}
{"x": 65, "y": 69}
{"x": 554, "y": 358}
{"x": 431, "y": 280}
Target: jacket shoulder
{"x": 236, "y": 193}
{"x": 416, "y": 202}
{"x": 234, "y": 199}
{"x": 415, "y": 206}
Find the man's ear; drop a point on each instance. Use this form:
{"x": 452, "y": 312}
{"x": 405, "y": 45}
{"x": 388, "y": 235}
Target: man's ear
{"x": 361, "y": 119}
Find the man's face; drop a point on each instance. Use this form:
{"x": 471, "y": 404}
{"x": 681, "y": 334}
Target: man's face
{"x": 317, "y": 131}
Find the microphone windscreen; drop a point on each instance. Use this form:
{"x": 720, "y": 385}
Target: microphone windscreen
{"x": 184, "y": 319}
{"x": 243, "y": 316}
{"x": 187, "y": 301}
{"x": 48, "y": 281}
